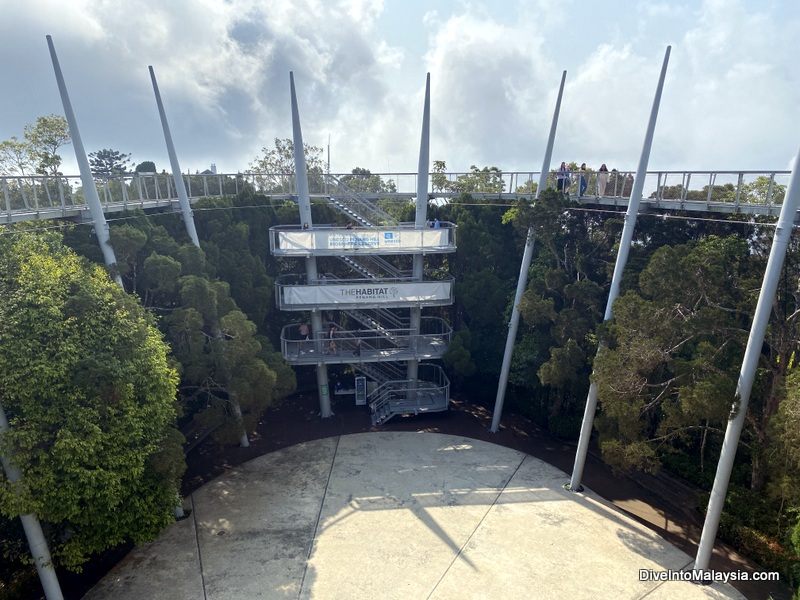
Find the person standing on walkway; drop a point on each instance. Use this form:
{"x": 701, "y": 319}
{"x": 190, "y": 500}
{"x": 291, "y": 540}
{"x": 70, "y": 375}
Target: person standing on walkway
{"x": 331, "y": 340}
{"x": 303, "y": 337}
{"x": 602, "y": 180}
{"x": 562, "y": 179}
{"x": 582, "y": 184}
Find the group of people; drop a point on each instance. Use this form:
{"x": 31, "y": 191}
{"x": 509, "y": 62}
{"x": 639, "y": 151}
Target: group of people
{"x": 564, "y": 180}
{"x": 305, "y": 336}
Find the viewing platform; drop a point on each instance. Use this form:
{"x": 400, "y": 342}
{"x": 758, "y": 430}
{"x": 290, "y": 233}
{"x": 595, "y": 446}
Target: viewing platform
{"x": 293, "y": 292}
{"x": 368, "y": 345}
{"x": 294, "y": 241}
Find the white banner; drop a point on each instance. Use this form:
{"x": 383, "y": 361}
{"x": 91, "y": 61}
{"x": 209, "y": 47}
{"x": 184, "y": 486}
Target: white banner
{"x": 396, "y": 293}
{"x": 354, "y": 239}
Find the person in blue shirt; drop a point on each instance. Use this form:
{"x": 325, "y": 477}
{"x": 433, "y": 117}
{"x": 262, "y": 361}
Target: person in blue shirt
{"x": 436, "y": 224}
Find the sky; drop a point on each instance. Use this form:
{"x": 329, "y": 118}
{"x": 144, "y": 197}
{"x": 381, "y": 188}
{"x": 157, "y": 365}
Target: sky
{"x": 731, "y": 98}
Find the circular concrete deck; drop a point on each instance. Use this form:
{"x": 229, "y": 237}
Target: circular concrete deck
{"x": 399, "y": 515}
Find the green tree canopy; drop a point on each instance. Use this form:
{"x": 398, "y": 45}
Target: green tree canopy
{"x": 147, "y": 166}
{"x": 45, "y": 137}
{"x": 275, "y": 167}
{"x": 90, "y": 396}
{"x": 108, "y": 162}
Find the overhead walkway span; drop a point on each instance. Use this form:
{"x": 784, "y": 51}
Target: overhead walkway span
{"x": 29, "y": 198}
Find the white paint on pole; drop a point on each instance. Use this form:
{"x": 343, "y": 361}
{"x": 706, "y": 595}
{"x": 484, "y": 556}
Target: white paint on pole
{"x": 87, "y": 180}
{"x": 177, "y": 178}
{"x": 619, "y": 267}
{"x": 772, "y": 275}
{"x": 522, "y": 282}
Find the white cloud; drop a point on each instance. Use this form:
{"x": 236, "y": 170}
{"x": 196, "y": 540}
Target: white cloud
{"x": 730, "y": 99}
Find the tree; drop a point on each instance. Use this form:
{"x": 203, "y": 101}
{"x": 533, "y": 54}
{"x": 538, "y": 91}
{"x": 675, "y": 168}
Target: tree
{"x": 275, "y": 167}
{"x": 90, "y": 396}
{"x": 15, "y": 157}
{"x": 364, "y": 182}
{"x": 45, "y": 137}
{"x": 108, "y": 162}
{"x": 147, "y": 166}
{"x": 486, "y": 180}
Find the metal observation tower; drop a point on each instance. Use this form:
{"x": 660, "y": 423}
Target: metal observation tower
{"x": 357, "y": 302}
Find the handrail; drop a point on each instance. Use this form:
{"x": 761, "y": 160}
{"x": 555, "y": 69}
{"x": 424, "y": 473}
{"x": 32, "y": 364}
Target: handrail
{"x": 355, "y": 206}
{"x": 37, "y": 196}
{"x": 434, "y": 333}
{"x": 408, "y": 392}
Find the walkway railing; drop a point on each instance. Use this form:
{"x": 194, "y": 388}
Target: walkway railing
{"x": 45, "y": 197}
{"x": 429, "y": 393}
{"x": 369, "y": 345}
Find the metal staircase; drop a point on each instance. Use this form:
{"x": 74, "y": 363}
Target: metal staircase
{"x": 377, "y": 295}
{"x": 354, "y": 206}
{"x": 430, "y": 393}
{"x": 373, "y": 266}
{"x": 381, "y": 320}
{"x": 382, "y": 372}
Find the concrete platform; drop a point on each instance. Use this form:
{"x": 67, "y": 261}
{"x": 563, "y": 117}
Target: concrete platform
{"x": 399, "y": 515}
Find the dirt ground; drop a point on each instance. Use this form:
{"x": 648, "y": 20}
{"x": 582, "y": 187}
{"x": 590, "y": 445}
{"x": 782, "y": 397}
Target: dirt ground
{"x": 667, "y": 506}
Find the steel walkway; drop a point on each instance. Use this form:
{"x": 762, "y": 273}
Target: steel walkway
{"x": 33, "y": 198}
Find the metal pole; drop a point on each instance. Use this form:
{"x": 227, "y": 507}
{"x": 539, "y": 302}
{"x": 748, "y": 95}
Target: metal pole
{"x": 772, "y": 275}
{"x": 420, "y": 218}
{"x": 89, "y": 189}
{"x": 33, "y": 530}
{"x": 177, "y": 178}
{"x": 522, "y": 282}
{"x": 304, "y": 205}
{"x": 622, "y": 258}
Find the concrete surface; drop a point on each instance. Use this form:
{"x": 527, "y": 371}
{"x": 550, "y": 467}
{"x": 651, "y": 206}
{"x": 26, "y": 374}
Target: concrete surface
{"x": 399, "y": 515}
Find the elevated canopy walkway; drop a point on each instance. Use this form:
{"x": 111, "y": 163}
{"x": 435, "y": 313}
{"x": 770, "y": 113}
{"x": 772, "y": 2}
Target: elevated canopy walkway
{"x": 29, "y": 198}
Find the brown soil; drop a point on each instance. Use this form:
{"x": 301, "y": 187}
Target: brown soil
{"x": 667, "y": 506}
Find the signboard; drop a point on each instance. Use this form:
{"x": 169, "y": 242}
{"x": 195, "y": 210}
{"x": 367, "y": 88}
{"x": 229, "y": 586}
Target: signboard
{"x": 361, "y": 391}
{"x": 355, "y": 239}
{"x": 367, "y": 293}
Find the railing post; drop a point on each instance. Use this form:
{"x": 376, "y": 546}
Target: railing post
{"x": 61, "y": 195}
{"x": 739, "y": 188}
{"x": 711, "y": 180}
{"x": 8, "y": 200}
{"x": 768, "y": 199}
{"x": 47, "y": 191}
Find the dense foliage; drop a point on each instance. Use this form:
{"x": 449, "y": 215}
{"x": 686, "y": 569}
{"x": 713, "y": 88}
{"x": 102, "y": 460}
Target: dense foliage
{"x": 90, "y": 398}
